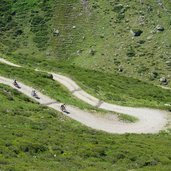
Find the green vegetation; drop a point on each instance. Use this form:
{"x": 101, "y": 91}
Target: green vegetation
{"x": 127, "y": 118}
{"x": 41, "y": 81}
{"x": 118, "y": 89}
{"x": 28, "y": 31}
{"x": 34, "y": 137}
{"x": 84, "y": 41}
{"x": 93, "y": 43}
{"x": 112, "y": 87}
{"x": 116, "y": 47}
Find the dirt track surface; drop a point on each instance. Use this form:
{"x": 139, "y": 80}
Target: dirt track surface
{"x": 150, "y": 120}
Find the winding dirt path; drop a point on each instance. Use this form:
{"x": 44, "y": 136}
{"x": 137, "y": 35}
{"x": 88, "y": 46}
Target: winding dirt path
{"x": 150, "y": 120}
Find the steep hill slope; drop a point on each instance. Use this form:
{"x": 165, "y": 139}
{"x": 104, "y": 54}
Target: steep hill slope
{"x": 132, "y": 38}
{"x": 34, "y": 137}
{"x": 97, "y": 35}
{"x": 91, "y": 42}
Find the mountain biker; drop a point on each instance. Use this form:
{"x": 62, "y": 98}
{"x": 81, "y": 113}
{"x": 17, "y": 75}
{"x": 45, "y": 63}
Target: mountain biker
{"x": 33, "y": 93}
{"x": 15, "y": 82}
{"x": 63, "y": 107}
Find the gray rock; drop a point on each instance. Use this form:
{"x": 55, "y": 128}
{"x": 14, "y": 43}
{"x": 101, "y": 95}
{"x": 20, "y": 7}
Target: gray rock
{"x": 159, "y": 28}
{"x": 120, "y": 68}
{"x": 56, "y": 32}
{"x": 102, "y": 36}
{"x": 163, "y": 81}
{"x": 92, "y": 52}
{"x": 136, "y": 32}
{"x": 78, "y": 52}
{"x": 50, "y": 76}
{"x": 166, "y": 104}
{"x": 150, "y": 37}
{"x": 153, "y": 31}
{"x": 168, "y": 63}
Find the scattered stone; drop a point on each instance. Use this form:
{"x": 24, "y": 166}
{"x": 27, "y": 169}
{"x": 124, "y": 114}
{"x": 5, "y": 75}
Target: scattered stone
{"x": 92, "y": 52}
{"x": 167, "y": 104}
{"x": 149, "y": 8}
{"x": 56, "y": 32}
{"x": 120, "y": 69}
{"x": 78, "y": 52}
{"x": 50, "y": 76}
{"x": 141, "y": 54}
{"x": 136, "y": 32}
{"x": 150, "y": 37}
{"x": 102, "y": 36}
{"x": 153, "y": 31}
{"x": 47, "y": 53}
{"x": 168, "y": 63}
{"x": 159, "y": 28}
{"x": 163, "y": 81}
{"x": 162, "y": 5}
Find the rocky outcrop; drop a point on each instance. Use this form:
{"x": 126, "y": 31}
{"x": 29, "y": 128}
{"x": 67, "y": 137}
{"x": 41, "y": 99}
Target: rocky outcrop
{"x": 159, "y": 28}
{"x": 136, "y": 32}
{"x": 56, "y": 32}
{"x": 163, "y": 81}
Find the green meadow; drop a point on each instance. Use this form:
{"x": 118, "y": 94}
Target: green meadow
{"x": 34, "y": 137}
{"x": 92, "y": 43}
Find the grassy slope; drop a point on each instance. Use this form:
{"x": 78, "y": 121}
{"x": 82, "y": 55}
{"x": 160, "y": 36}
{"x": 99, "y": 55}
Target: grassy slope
{"x": 42, "y": 82}
{"x": 36, "y": 46}
{"x": 113, "y": 40}
{"x": 26, "y": 36}
{"x": 118, "y": 89}
{"x": 38, "y": 138}
{"x": 110, "y": 87}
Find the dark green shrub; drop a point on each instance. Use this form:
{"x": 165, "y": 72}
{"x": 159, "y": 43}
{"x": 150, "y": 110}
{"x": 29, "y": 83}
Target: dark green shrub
{"x": 37, "y": 20}
{"x": 130, "y": 52}
{"x": 32, "y": 148}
